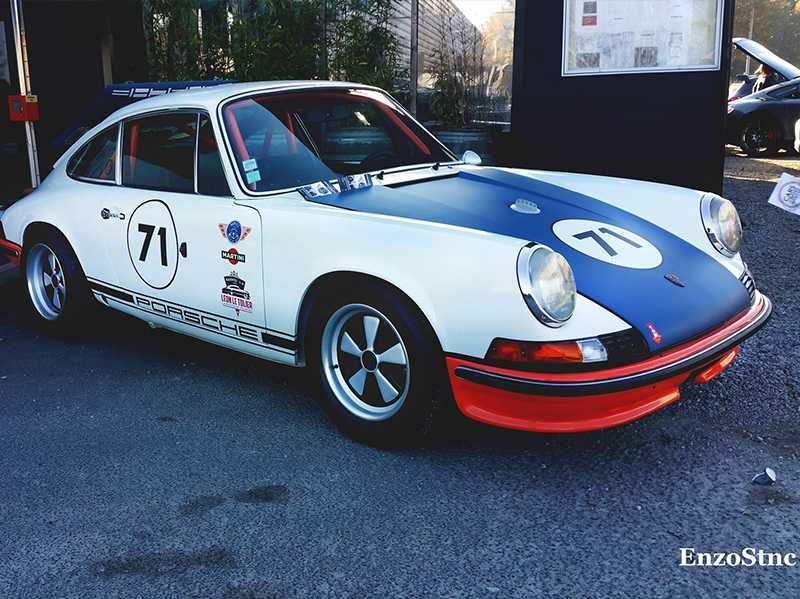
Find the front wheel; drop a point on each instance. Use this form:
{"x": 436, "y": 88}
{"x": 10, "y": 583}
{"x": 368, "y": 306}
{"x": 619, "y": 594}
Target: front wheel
{"x": 760, "y": 137}
{"x": 379, "y": 367}
{"x": 54, "y": 283}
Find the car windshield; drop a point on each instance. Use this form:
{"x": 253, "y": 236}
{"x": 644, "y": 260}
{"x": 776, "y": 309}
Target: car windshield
{"x": 292, "y": 139}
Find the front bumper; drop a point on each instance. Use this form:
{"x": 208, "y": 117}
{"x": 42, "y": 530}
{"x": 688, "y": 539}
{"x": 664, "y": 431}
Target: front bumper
{"x": 572, "y": 402}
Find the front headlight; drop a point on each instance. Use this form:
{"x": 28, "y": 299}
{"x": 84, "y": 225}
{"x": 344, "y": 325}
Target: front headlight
{"x": 722, "y": 224}
{"x": 547, "y": 283}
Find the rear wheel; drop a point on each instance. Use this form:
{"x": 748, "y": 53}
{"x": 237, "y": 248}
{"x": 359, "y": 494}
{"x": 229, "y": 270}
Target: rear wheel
{"x": 54, "y": 283}
{"x": 760, "y": 136}
{"x": 378, "y": 365}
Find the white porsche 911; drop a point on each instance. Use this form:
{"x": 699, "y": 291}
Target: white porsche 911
{"x": 318, "y": 224}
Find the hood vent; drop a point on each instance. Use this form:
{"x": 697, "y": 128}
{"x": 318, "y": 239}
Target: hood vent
{"x": 525, "y": 207}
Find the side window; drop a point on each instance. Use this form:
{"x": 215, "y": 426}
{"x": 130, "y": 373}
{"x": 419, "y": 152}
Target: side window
{"x": 158, "y": 152}
{"x": 211, "y": 179}
{"x": 97, "y": 159}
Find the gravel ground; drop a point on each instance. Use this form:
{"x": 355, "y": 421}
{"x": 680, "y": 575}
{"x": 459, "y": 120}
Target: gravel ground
{"x": 143, "y": 464}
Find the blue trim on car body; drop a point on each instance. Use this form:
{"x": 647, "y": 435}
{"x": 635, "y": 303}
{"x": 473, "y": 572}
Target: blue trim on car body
{"x": 479, "y": 199}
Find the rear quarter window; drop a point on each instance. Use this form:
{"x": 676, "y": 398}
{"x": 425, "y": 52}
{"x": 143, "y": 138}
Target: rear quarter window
{"x": 96, "y": 160}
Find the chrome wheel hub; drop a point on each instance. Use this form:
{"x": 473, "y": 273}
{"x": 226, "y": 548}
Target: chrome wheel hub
{"x": 365, "y": 362}
{"x": 45, "y": 279}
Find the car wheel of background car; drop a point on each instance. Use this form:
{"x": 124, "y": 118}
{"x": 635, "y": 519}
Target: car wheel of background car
{"x": 379, "y": 367}
{"x": 760, "y": 137}
{"x": 54, "y": 282}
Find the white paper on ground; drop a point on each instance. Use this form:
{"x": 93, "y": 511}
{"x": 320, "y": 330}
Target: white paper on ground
{"x": 786, "y": 194}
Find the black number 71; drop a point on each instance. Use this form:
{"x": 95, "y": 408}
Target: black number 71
{"x": 602, "y": 242}
{"x": 148, "y": 231}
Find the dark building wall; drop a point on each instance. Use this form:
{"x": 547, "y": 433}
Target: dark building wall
{"x": 65, "y": 65}
{"x": 665, "y": 127}
{"x": 65, "y": 40}
{"x": 14, "y": 175}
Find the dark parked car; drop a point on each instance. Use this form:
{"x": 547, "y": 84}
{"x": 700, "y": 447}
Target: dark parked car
{"x": 784, "y": 70}
{"x": 763, "y": 122}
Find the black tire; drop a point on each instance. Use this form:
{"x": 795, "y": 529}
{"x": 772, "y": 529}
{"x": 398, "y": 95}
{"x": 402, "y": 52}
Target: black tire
{"x": 55, "y": 312}
{"x": 420, "y": 385}
{"x": 761, "y": 136}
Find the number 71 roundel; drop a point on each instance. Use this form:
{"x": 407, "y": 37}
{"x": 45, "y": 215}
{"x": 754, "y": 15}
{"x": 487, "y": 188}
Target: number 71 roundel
{"x": 608, "y": 243}
{"x": 153, "y": 244}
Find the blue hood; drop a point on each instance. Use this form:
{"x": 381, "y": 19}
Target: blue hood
{"x": 480, "y": 200}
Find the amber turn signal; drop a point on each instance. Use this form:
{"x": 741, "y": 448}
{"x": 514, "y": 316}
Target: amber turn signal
{"x": 559, "y": 352}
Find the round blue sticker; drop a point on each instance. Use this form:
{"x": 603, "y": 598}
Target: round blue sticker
{"x": 234, "y": 231}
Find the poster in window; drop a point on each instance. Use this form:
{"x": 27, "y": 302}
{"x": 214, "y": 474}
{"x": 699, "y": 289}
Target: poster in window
{"x": 636, "y": 36}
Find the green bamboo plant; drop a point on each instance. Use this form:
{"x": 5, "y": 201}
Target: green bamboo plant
{"x": 257, "y": 40}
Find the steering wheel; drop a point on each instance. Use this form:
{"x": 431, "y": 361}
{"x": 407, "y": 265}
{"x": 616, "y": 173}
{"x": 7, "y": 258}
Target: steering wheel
{"x": 376, "y": 156}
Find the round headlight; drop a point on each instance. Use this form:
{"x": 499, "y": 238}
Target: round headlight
{"x": 547, "y": 282}
{"x": 722, "y": 224}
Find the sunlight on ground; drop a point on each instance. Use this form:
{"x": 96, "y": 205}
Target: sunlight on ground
{"x": 740, "y": 166}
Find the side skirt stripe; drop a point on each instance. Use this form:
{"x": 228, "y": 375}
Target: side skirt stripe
{"x": 274, "y": 343}
{"x": 279, "y": 341}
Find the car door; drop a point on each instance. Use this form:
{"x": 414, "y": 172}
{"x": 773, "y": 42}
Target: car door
{"x": 789, "y": 98}
{"x": 183, "y": 250}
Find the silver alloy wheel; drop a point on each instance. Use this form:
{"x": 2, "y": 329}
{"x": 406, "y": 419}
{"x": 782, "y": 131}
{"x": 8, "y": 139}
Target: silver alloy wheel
{"x": 365, "y": 362}
{"x": 45, "y": 279}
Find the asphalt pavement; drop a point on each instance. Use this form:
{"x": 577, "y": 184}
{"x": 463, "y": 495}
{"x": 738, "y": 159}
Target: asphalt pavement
{"x": 139, "y": 463}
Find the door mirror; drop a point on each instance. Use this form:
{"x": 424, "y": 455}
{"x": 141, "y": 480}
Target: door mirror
{"x": 471, "y": 157}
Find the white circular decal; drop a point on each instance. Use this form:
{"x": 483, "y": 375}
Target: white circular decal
{"x": 608, "y": 243}
{"x": 789, "y": 194}
{"x": 153, "y": 244}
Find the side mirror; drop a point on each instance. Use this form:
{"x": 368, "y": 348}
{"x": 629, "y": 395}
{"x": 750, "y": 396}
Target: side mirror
{"x": 742, "y": 78}
{"x": 471, "y": 157}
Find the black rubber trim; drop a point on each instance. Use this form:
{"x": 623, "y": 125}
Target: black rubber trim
{"x": 425, "y": 180}
{"x": 639, "y": 379}
{"x": 9, "y": 251}
{"x": 279, "y": 341}
{"x": 120, "y": 295}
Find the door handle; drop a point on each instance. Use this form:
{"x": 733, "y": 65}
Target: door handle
{"x": 105, "y": 213}
{"x": 182, "y": 249}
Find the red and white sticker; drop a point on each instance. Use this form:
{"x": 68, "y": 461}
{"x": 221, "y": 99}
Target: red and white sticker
{"x": 233, "y": 256}
{"x": 239, "y": 304}
{"x": 656, "y": 335}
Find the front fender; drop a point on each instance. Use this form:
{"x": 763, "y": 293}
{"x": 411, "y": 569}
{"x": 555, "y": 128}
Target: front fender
{"x": 464, "y": 281}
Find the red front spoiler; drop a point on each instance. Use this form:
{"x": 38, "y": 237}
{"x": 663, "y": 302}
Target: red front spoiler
{"x": 572, "y": 402}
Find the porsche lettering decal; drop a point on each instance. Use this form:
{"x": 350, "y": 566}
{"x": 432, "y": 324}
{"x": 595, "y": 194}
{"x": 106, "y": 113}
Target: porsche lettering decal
{"x": 206, "y": 321}
{"x": 215, "y": 323}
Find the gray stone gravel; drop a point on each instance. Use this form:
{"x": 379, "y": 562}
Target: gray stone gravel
{"x": 136, "y": 463}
